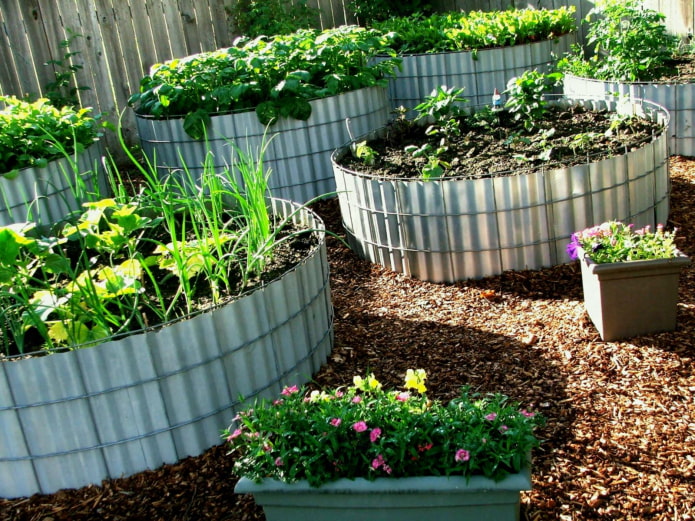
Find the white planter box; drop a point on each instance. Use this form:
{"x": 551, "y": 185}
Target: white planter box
{"x": 452, "y": 498}
{"x": 75, "y": 418}
{"x": 299, "y": 152}
{"x": 47, "y": 195}
{"x": 444, "y": 230}
{"x": 677, "y": 98}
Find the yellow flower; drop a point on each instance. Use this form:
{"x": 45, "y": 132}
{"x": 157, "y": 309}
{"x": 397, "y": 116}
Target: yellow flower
{"x": 416, "y": 380}
{"x": 373, "y": 383}
{"x": 359, "y": 382}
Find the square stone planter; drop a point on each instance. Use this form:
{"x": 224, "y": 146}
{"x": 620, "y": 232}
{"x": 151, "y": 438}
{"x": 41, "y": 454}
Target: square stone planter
{"x": 629, "y": 299}
{"x": 392, "y": 499}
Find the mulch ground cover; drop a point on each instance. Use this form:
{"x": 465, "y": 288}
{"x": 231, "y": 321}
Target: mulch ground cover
{"x": 620, "y": 437}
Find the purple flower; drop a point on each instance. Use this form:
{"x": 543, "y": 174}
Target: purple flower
{"x": 573, "y": 246}
{"x": 374, "y": 434}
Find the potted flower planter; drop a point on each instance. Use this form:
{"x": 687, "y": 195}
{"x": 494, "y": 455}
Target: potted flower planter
{"x": 389, "y": 455}
{"x": 454, "y": 498}
{"x": 160, "y": 395}
{"x": 629, "y": 299}
{"x": 445, "y": 229}
{"x": 298, "y": 153}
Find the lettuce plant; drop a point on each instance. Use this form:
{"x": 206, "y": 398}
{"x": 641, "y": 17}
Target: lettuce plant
{"x": 277, "y": 76}
{"x": 445, "y": 32}
{"x": 365, "y": 431}
{"x": 34, "y": 133}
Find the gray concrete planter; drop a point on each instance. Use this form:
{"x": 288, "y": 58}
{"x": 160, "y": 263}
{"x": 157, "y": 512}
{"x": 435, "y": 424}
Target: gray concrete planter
{"x": 677, "y": 98}
{"x": 47, "y": 195}
{"x": 480, "y": 73}
{"x": 78, "y": 417}
{"x": 445, "y": 230}
{"x": 452, "y": 498}
{"x": 299, "y": 153}
{"x": 628, "y": 299}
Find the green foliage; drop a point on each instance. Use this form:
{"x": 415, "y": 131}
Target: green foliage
{"x": 371, "y": 11}
{"x": 367, "y": 432}
{"x": 364, "y": 152}
{"x": 32, "y": 134}
{"x": 275, "y": 76}
{"x": 62, "y": 91}
{"x": 270, "y": 17}
{"x": 626, "y": 42}
{"x": 525, "y": 96}
{"x": 127, "y": 263}
{"x": 460, "y": 31}
{"x": 614, "y": 241}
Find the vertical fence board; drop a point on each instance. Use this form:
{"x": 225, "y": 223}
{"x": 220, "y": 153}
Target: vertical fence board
{"x": 9, "y": 79}
{"x": 21, "y": 49}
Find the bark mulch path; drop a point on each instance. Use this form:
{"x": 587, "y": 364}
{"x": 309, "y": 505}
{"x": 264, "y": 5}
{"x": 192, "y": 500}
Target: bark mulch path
{"x": 620, "y": 437}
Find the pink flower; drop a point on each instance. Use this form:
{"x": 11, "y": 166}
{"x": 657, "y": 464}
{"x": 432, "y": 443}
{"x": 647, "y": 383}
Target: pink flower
{"x": 357, "y": 399}
{"x": 279, "y": 462}
{"x": 374, "y": 434}
{"x": 527, "y": 414}
{"x": 339, "y": 394}
{"x": 336, "y": 422}
{"x": 360, "y": 426}
{"x": 491, "y": 417}
{"x": 402, "y": 397}
{"x": 379, "y": 462}
{"x": 504, "y": 428}
{"x": 235, "y": 434}
{"x": 289, "y": 390}
{"x": 462, "y": 455}
{"x": 277, "y": 402}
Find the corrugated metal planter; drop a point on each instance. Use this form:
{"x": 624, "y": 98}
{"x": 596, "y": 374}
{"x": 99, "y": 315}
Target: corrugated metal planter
{"x": 47, "y": 195}
{"x": 480, "y": 72}
{"x": 454, "y": 498}
{"x": 299, "y": 154}
{"x": 677, "y": 98}
{"x": 75, "y": 418}
{"x": 444, "y": 230}
{"x": 628, "y": 299}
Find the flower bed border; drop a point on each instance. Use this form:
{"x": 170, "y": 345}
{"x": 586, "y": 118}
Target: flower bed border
{"x": 75, "y": 418}
{"x": 298, "y": 152}
{"x": 444, "y": 230}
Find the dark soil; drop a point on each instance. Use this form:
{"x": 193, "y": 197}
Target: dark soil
{"x": 683, "y": 70}
{"x": 492, "y": 144}
{"x": 620, "y": 438}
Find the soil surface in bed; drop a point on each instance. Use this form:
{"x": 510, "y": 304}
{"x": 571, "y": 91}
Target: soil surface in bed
{"x": 620, "y": 436}
{"x": 495, "y": 143}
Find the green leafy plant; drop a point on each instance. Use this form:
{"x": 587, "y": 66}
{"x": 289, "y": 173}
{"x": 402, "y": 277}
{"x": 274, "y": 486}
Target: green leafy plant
{"x": 525, "y": 96}
{"x": 34, "y": 133}
{"x": 614, "y": 241}
{"x": 459, "y": 31}
{"x": 128, "y": 263}
{"x": 626, "y": 42}
{"x": 63, "y": 90}
{"x": 366, "y": 431}
{"x": 270, "y": 17}
{"x": 277, "y": 76}
{"x": 370, "y": 11}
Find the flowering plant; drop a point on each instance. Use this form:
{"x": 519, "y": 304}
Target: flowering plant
{"x": 365, "y": 431}
{"x": 614, "y": 241}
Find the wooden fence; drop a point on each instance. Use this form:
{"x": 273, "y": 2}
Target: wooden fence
{"x": 121, "y": 39}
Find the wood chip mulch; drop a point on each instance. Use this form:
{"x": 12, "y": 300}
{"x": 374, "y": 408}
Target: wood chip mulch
{"x": 620, "y": 437}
